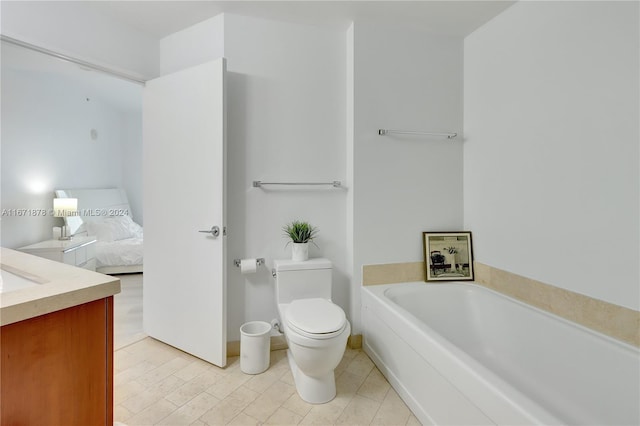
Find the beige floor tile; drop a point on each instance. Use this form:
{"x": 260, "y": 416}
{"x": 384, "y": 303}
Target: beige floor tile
{"x": 157, "y": 352}
{"x": 168, "y": 384}
{"x": 277, "y": 357}
{"x": 163, "y": 371}
{"x": 269, "y": 401}
{"x": 204, "y": 401}
{"x": 188, "y": 392}
{"x": 297, "y": 405}
{"x": 134, "y": 372}
{"x": 233, "y": 364}
{"x": 351, "y": 353}
{"x": 244, "y": 420}
{"x": 375, "y": 386}
{"x": 392, "y": 411}
{"x": 344, "y": 363}
{"x": 121, "y": 414}
{"x": 227, "y": 384}
{"x": 193, "y": 370}
{"x": 230, "y": 406}
{"x": 361, "y": 365}
{"x": 124, "y": 391}
{"x": 360, "y": 411}
{"x": 152, "y": 414}
{"x": 125, "y": 359}
{"x": 185, "y": 415}
{"x": 140, "y": 401}
{"x": 158, "y": 384}
{"x": 324, "y": 414}
{"x": 262, "y": 408}
{"x": 260, "y": 382}
{"x": 282, "y": 416}
{"x": 287, "y": 377}
{"x": 347, "y": 385}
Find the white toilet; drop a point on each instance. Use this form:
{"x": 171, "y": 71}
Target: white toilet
{"x": 316, "y": 329}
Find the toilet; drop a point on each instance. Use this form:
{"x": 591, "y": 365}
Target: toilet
{"x": 315, "y": 328}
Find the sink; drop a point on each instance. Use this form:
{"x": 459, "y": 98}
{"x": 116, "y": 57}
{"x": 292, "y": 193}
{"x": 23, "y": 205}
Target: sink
{"x": 12, "y": 279}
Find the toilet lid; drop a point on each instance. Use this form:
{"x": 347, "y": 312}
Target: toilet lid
{"x": 315, "y": 316}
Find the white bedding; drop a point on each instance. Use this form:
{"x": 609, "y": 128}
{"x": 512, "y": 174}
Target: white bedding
{"x": 119, "y": 241}
{"x": 105, "y": 214}
{"x": 125, "y": 252}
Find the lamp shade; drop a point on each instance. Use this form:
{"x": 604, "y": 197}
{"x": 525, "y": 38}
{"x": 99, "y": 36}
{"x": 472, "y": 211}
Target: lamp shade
{"x": 64, "y": 207}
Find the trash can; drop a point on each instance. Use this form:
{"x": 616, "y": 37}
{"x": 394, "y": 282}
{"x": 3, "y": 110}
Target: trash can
{"x": 254, "y": 347}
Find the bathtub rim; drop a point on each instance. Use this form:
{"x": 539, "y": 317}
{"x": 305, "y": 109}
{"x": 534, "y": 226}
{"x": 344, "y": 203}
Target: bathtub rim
{"x": 452, "y": 358}
{"x": 382, "y": 288}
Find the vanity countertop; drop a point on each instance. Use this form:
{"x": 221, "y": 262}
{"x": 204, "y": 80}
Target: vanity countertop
{"x": 56, "y": 286}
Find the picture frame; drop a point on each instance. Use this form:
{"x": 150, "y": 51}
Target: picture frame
{"x": 448, "y": 256}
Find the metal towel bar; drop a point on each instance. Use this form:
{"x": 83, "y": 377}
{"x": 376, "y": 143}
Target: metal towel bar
{"x": 259, "y": 183}
{"x": 383, "y": 132}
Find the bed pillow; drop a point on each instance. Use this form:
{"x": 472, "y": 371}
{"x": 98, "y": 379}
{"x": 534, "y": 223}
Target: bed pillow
{"x": 134, "y": 228}
{"x": 110, "y": 228}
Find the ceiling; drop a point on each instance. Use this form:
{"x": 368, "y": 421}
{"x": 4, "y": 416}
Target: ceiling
{"x": 120, "y": 94}
{"x": 449, "y": 17}
{"x": 161, "y": 18}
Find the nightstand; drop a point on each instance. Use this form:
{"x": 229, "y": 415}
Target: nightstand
{"x": 79, "y": 251}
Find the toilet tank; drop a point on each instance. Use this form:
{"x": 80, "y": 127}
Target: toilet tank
{"x": 302, "y": 280}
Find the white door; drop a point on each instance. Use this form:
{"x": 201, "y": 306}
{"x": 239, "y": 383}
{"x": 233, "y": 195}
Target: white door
{"x": 184, "y": 302}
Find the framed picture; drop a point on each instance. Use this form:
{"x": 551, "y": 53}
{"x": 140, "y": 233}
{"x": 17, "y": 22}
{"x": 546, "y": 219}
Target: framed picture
{"x": 448, "y": 256}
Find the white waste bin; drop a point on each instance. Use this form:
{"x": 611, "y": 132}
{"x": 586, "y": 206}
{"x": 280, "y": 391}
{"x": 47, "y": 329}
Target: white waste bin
{"x": 254, "y": 347}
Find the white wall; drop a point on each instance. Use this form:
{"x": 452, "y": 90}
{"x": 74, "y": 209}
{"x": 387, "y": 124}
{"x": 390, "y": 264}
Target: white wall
{"x": 131, "y": 134}
{"x": 286, "y": 122}
{"x": 402, "y": 185}
{"x": 551, "y": 162}
{"x": 77, "y": 30}
{"x": 192, "y": 46}
{"x": 47, "y": 144}
{"x": 286, "y": 111}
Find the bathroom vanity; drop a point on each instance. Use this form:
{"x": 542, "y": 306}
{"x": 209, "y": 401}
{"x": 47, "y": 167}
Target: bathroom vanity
{"x": 56, "y": 342}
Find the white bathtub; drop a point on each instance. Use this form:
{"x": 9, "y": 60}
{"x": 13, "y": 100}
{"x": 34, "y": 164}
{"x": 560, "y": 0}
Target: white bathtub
{"x": 462, "y": 354}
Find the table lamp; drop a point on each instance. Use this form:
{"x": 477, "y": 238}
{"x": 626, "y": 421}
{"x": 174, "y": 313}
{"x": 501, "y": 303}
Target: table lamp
{"x": 65, "y": 207}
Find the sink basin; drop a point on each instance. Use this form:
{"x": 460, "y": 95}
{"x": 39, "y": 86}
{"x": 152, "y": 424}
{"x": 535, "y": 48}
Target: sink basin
{"x": 12, "y": 279}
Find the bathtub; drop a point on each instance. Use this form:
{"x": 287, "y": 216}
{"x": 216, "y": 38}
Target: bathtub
{"x": 462, "y": 354}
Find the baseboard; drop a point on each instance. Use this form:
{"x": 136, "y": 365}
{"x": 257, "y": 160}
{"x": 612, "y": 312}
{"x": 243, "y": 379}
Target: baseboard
{"x": 354, "y": 341}
{"x": 279, "y": 342}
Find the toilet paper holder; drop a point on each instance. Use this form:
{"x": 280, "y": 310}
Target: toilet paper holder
{"x": 259, "y": 261}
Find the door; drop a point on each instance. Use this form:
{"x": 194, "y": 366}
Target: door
{"x": 184, "y": 302}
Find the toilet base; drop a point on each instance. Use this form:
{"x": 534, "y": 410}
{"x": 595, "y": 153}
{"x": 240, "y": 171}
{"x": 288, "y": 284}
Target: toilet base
{"x": 314, "y": 390}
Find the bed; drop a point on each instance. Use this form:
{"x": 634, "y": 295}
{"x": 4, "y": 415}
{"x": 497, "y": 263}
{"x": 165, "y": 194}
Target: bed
{"x": 106, "y": 214}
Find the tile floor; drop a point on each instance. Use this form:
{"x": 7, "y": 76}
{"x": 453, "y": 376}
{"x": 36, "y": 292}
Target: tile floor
{"x": 157, "y": 384}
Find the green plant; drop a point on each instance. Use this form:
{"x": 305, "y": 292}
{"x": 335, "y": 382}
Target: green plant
{"x": 451, "y": 250}
{"x": 300, "y": 232}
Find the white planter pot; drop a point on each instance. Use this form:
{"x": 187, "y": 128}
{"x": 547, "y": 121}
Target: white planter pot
{"x": 300, "y": 252}
{"x": 450, "y": 259}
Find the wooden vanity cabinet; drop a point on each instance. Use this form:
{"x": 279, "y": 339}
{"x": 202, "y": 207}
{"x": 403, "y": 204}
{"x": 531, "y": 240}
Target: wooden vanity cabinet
{"x": 57, "y": 368}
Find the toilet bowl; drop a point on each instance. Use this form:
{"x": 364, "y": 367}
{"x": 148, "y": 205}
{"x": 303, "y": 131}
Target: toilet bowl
{"x": 316, "y": 331}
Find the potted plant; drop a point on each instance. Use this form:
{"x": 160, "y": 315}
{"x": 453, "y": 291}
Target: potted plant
{"x": 300, "y": 234}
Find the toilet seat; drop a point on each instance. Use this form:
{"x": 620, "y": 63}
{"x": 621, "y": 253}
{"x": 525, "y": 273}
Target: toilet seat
{"x": 316, "y": 318}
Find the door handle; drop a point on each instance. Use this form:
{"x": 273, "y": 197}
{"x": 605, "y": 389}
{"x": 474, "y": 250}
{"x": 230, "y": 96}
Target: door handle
{"x": 214, "y": 231}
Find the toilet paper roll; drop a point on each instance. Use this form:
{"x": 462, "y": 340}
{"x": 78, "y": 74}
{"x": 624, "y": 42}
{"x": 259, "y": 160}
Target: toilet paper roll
{"x": 248, "y": 266}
